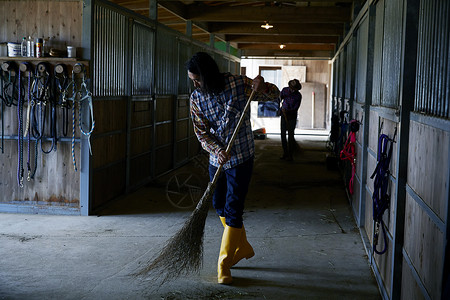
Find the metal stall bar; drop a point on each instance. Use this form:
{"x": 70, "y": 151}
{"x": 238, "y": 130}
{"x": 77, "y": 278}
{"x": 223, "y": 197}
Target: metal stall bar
{"x": 86, "y": 166}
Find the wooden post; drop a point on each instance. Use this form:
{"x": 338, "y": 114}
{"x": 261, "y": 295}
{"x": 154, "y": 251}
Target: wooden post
{"x": 366, "y": 116}
{"x": 189, "y": 28}
{"x": 153, "y": 10}
{"x": 212, "y": 39}
{"x": 86, "y": 165}
{"x": 407, "y": 94}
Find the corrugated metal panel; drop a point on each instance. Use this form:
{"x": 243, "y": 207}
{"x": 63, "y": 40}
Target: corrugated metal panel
{"x": 222, "y": 63}
{"x": 184, "y": 54}
{"x": 392, "y": 52}
{"x": 349, "y": 69}
{"x": 235, "y": 67}
{"x": 361, "y": 61}
{"x": 378, "y": 53}
{"x": 341, "y": 77}
{"x": 433, "y": 59}
{"x": 196, "y": 48}
{"x": 166, "y": 71}
{"x": 110, "y": 52}
{"x": 143, "y": 41}
{"x": 335, "y": 76}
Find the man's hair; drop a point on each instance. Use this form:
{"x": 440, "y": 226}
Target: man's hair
{"x": 203, "y": 65}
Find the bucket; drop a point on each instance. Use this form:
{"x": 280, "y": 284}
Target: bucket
{"x": 14, "y": 49}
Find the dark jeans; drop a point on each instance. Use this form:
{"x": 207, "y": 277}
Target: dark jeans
{"x": 231, "y": 189}
{"x": 288, "y": 124}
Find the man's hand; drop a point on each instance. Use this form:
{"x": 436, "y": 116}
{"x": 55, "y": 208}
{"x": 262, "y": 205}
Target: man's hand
{"x": 223, "y": 157}
{"x": 258, "y": 84}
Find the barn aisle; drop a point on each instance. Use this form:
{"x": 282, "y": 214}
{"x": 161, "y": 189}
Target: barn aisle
{"x": 297, "y": 218}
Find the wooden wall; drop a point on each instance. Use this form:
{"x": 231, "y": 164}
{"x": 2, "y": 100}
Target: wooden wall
{"x": 55, "y": 183}
{"x": 60, "y": 21}
{"x": 164, "y": 133}
{"x": 109, "y": 150}
{"x": 142, "y": 129}
{"x": 313, "y": 114}
{"x": 141, "y": 140}
{"x": 415, "y": 265}
{"x": 427, "y": 204}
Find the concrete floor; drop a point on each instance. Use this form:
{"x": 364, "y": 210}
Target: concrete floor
{"x": 297, "y": 218}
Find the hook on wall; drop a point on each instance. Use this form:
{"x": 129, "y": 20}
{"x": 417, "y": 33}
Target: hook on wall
{"x": 395, "y": 135}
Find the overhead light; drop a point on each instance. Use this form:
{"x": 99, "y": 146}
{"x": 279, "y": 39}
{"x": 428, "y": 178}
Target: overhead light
{"x": 266, "y": 26}
{"x": 282, "y": 46}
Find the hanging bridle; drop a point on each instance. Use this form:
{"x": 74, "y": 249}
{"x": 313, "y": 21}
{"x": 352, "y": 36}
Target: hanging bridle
{"x": 349, "y": 152}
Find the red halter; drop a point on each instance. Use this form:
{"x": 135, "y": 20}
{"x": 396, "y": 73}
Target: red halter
{"x": 349, "y": 153}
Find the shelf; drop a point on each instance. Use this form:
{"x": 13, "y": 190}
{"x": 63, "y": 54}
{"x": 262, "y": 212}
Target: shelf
{"x": 38, "y": 58}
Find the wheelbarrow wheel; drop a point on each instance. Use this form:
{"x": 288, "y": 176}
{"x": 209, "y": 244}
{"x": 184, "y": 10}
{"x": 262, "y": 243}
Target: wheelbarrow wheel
{"x": 184, "y": 190}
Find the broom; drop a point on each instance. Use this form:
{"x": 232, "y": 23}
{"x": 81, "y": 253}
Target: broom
{"x": 183, "y": 253}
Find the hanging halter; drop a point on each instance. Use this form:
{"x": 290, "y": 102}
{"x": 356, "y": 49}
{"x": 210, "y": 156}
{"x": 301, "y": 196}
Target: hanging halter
{"x": 86, "y": 96}
{"x": 37, "y": 116}
{"x": 380, "y": 194}
{"x": 26, "y": 67}
{"x": 349, "y": 153}
{"x": 47, "y": 103}
{"x": 9, "y": 83}
{"x": 62, "y": 86}
{"x": 73, "y": 86}
{"x": 20, "y": 170}
{"x": 23, "y": 68}
{"x": 8, "y": 92}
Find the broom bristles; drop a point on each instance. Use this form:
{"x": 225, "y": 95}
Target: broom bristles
{"x": 183, "y": 253}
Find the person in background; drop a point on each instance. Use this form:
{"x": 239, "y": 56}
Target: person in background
{"x": 290, "y": 103}
{"x": 216, "y": 105}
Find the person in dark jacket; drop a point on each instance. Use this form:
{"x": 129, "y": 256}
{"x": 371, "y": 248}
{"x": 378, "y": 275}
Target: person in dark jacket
{"x": 291, "y": 100}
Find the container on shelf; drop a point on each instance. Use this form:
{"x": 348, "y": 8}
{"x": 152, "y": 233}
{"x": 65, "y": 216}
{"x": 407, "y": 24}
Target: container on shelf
{"x": 30, "y": 47}
{"x": 24, "y": 47}
{"x": 14, "y": 50}
{"x": 71, "y": 51}
{"x": 39, "y": 47}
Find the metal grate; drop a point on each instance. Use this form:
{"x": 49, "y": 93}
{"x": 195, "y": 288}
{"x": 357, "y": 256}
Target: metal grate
{"x": 109, "y": 44}
{"x": 392, "y": 52}
{"x": 433, "y": 63}
{"x": 143, "y": 49}
{"x": 361, "y": 61}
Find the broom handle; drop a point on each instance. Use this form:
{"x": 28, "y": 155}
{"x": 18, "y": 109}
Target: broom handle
{"x": 233, "y": 137}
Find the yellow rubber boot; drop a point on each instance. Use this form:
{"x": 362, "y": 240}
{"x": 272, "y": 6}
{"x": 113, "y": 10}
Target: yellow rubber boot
{"x": 230, "y": 239}
{"x": 244, "y": 249}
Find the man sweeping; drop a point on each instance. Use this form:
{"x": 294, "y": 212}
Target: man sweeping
{"x": 216, "y": 106}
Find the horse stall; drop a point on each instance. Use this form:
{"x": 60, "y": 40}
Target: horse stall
{"x": 387, "y": 79}
{"x": 125, "y": 119}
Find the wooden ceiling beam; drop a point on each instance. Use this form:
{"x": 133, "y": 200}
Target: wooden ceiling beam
{"x": 270, "y": 14}
{"x": 175, "y": 7}
{"x": 295, "y": 53}
{"x": 264, "y": 2}
{"x": 278, "y": 29}
{"x": 133, "y": 5}
{"x": 289, "y": 47}
{"x": 282, "y": 39}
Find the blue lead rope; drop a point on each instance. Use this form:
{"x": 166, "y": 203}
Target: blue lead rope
{"x": 381, "y": 197}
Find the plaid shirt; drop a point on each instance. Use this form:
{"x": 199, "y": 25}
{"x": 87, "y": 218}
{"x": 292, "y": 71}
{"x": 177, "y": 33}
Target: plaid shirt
{"x": 215, "y": 117}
